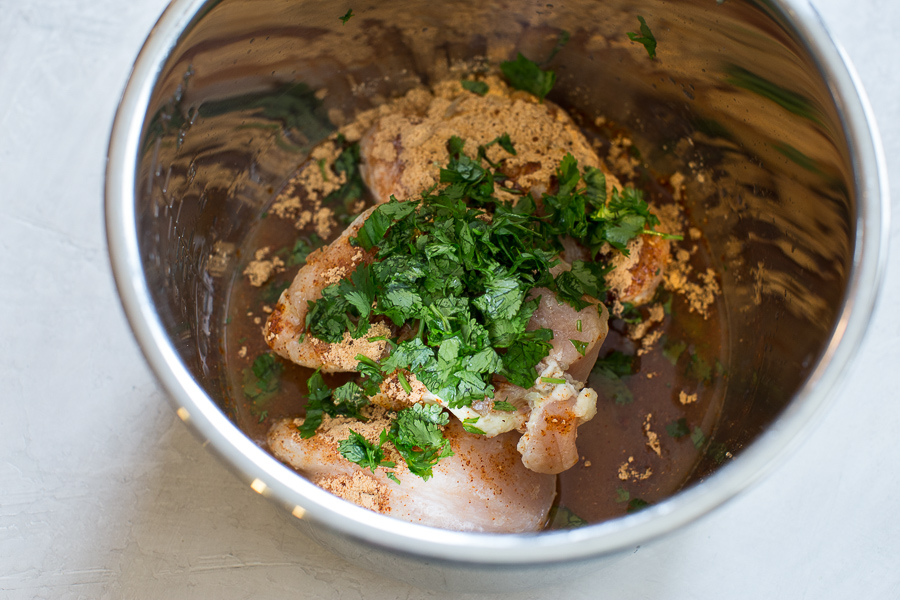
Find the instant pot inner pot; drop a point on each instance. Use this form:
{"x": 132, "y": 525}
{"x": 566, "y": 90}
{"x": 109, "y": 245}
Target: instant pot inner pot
{"x": 733, "y": 101}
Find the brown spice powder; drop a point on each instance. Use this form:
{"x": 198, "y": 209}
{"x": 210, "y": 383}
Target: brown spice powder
{"x": 259, "y": 270}
{"x": 686, "y": 398}
{"x": 652, "y": 437}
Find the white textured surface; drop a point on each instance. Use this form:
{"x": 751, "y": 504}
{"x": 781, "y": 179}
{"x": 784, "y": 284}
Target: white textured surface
{"x": 105, "y": 494}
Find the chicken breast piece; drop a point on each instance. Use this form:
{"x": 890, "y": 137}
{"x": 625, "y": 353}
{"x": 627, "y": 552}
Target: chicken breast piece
{"x": 557, "y": 409}
{"x": 634, "y": 278}
{"x": 483, "y": 487}
{"x": 588, "y": 326}
{"x": 403, "y": 150}
{"x": 285, "y": 326}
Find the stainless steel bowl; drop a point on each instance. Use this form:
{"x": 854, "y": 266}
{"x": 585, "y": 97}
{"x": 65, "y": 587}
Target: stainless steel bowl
{"x": 218, "y": 112}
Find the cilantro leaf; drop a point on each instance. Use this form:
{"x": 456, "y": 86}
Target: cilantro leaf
{"x": 526, "y": 75}
{"x": 469, "y": 425}
{"x": 347, "y": 16}
{"x": 699, "y": 368}
{"x": 561, "y": 41}
{"x": 645, "y": 38}
{"x": 678, "y": 429}
{"x": 580, "y": 346}
{"x": 520, "y": 359}
{"x": 563, "y": 518}
{"x": 606, "y": 377}
{"x": 380, "y": 220}
{"x": 262, "y": 379}
{"x": 357, "y": 449}
{"x": 583, "y": 279}
{"x": 417, "y": 435}
{"x": 476, "y": 87}
{"x": 673, "y": 350}
{"x": 344, "y": 401}
{"x": 272, "y": 292}
{"x": 318, "y": 394}
{"x": 504, "y": 406}
{"x": 698, "y": 438}
{"x": 351, "y": 396}
{"x": 615, "y": 364}
{"x": 302, "y": 248}
{"x": 636, "y": 504}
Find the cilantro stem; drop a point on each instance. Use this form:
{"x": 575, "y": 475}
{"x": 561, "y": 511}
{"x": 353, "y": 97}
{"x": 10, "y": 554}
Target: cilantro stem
{"x": 665, "y": 236}
{"x": 404, "y": 383}
{"x": 420, "y": 334}
{"x": 555, "y": 380}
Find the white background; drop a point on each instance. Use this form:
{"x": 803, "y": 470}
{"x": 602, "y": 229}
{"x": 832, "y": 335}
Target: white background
{"x": 105, "y": 494}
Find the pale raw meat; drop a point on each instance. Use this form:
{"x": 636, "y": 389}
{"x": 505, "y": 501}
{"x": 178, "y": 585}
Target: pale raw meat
{"x": 403, "y": 151}
{"x": 563, "y": 320}
{"x": 285, "y": 326}
{"x": 557, "y": 409}
{"x": 483, "y": 487}
{"x": 634, "y": 278}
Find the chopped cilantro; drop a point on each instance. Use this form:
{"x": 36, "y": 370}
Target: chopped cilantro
{"x": 563, "y": 518}
{"x": 272, "y": 292}
{"x": 645, "y": 38}
{"x": 672, "y": 350}
{"x": 261, "y": 380}
{"x": 416, "y": 434}
{"x": 357, "y": 449}
{"x": 698, "y": 438}
{"x": 476, "y": 87}
{"x": 678, "y": 429}
{"x": 721, "y": 371}
{"x": 469, "y": 425}
{"x": 606, "y": 377}
{"x": 580, "y": 346}
{"x": 346, "y": 400}
{"x": 554, "y": 380}
{"x": 631, "y": 313}
{"x": 636, "y": 504}
{"x": 718, "y": 452}
{"x": 586, "y": 214}
{"x": 699, "y": 368}
{"x": 578, "y": 325}
{"x": 302, "y": 248}
{"x": 347, "y": 16}
{"x": 404, "y": 382}
{"x": 615, "y": 364}
{"x": 622, "y": 495}
{"x": 351, "y": 396}
{"x": 561, "y": 41}
{"x": 457, "y": 268}
{"x": 503, "y": 405}
{"x": 347, "y": 163}
{"x": 526, "y": 75}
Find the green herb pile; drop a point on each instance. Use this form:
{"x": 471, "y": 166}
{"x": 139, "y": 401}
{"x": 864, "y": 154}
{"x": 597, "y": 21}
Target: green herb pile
{"x": 416, "y": 432}
{"x": 454, "y": 271}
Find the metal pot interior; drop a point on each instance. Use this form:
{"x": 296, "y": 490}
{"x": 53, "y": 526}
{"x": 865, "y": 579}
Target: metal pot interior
{"x": 233, "y": 111}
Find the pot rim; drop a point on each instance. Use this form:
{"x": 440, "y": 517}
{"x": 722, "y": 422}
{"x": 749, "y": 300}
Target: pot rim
{"x": 271, "y": 478}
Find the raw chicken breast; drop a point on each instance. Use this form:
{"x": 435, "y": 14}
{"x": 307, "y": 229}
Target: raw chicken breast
{"x": 557, "y": 409}
{"x": 286, "y": 324}
{"x": 402, "y": 151}
{"x": 563, "y": 320}
{"x": 634, "y": 278}
{"x": 483, "y": 487}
